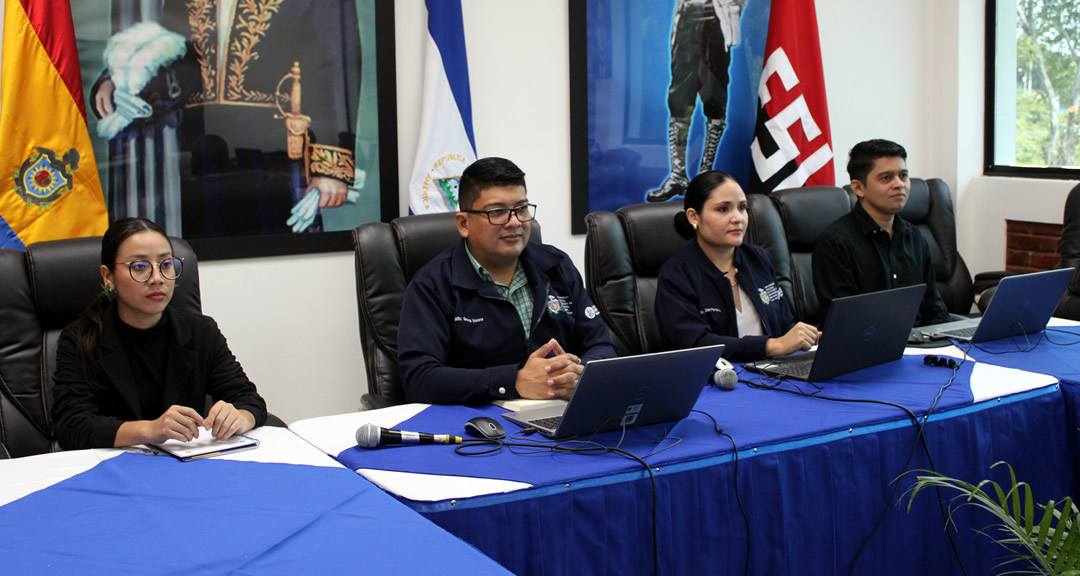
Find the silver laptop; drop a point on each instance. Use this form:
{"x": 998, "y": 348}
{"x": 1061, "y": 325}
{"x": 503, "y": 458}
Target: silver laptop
{"x": 860, "y": 331}
{"x": 1021, "y": 305}
{"x": 626, "y": 392}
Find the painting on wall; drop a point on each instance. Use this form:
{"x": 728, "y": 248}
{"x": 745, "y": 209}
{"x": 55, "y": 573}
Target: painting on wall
{"x": 660, "y": 90}
{"x": 247, "y": 127}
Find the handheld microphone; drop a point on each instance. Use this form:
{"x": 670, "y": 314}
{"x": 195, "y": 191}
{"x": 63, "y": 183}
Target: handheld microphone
{"x": 372, "y": 436}
{"x": 725, "y": 376}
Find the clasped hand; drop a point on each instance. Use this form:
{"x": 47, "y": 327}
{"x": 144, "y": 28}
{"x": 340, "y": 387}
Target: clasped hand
{"x": 544, "y": 378}
{"x": 182, "y": 423}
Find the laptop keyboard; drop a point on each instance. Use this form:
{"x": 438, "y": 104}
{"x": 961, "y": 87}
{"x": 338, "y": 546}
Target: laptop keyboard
{"x": 795, "y": 369}
{"x": 547, "y": 423}
{"x": 960, "y": 332}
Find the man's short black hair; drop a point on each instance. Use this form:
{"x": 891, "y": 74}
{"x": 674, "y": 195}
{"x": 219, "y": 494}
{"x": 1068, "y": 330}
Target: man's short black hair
{"x": 487, "y": 173}
{"x": 864, "y": 154}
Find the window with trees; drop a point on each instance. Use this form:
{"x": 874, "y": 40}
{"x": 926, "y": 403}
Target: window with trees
{"x": 1033, "y": 88}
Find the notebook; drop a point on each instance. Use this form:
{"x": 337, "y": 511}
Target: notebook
{"x": 205, "y": 446}
{"x": 627, "y": 391}
{"x": 860, "y": 331}
{"x": 1021, "y": 305}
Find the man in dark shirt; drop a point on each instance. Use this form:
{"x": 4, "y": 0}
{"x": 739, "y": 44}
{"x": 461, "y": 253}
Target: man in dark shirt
{"x": 497, "y": 316}
{"x": 872, "y": 248}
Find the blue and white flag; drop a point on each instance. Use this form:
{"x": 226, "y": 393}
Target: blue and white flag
{"x": 446, "y": 144}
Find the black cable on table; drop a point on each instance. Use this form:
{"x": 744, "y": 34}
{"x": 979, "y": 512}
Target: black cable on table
{"x": 1047, "y": 336}
{"x": 1027, "y": 347}
{"x": 583, "y": 447}
{"x": 918, "y": 437}
{"x": 930, "y": 460}
{"x": 738, "y": 500}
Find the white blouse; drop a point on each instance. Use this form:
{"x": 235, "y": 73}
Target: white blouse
{"x": 748, "y": 319}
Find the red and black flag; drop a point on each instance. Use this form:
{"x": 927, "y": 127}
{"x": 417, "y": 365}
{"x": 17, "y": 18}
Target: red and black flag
{"x": 792, "y": 144}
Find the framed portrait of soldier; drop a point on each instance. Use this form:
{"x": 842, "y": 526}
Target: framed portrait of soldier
{"x": 247, "y": 127}
{"x": 660, "y": 91}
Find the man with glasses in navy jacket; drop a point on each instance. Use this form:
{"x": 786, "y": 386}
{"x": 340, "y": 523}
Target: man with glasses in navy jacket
{"x": 497, "y": 317}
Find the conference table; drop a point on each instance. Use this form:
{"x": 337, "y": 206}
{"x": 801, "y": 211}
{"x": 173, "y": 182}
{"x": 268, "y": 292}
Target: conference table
{"x": 283, "y": 508}
{"x": 816, "y": 485}
{"x": 803, "y": 479}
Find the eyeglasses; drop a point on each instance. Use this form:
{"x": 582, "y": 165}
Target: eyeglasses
{"x": 142, "y": 270}
{"x": 500, "y": 216}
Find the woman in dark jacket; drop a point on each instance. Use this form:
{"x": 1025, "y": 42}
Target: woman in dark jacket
{"x": 132, "y": 371}
{"x": 720, "y": 290}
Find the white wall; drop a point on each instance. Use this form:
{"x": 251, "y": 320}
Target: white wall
{"x": 871, "y": 82}
{"x": 908, "y": 71}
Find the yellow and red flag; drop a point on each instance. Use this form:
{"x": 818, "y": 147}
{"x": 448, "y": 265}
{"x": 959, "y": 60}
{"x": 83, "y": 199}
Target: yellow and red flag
{"x": 49, "y": 185}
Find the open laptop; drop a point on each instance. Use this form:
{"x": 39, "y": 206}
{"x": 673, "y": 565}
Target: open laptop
{"x": 627, "y": 391}
{"x": 860, "y": 331}
{"x": 1021, "y": 305}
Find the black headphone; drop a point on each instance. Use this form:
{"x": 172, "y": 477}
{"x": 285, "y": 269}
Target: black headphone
{"x": 943, "y": 361}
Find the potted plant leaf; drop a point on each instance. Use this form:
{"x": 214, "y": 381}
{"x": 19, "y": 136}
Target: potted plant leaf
{"x": 1043, "y": 538}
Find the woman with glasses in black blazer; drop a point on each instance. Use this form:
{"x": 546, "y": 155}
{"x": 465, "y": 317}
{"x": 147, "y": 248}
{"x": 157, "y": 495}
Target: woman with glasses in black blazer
{"x": 131, "y": 371}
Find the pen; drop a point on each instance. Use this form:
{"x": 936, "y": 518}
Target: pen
{"x": 218, "y": 453}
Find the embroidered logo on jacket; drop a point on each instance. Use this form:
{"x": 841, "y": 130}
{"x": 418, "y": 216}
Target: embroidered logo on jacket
{"x": 558, "y": 304}
{"x": 770, "y": 293}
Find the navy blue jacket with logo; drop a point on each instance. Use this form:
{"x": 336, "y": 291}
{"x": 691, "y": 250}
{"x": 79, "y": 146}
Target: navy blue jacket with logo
{"x": 695, "y": 305}
{"x": 461, "y": 342}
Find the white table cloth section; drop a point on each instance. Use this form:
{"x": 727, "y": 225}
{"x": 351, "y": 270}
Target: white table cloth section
{"x": 334, "y": 434}
{"x": 22, "y": 476}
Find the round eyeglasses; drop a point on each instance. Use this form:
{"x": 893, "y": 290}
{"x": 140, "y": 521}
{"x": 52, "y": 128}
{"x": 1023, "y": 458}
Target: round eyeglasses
{"x": 500, "y": 216}
{"x": 142, "y": 270}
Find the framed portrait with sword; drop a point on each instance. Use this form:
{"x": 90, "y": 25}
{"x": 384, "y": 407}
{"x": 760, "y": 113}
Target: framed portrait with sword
{"x": 248, "y": 127}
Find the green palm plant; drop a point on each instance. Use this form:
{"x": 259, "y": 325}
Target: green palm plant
{"x": 1049, "y": 546}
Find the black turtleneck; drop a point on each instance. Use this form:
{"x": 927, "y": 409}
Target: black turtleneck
{"x": 147, "y": 352}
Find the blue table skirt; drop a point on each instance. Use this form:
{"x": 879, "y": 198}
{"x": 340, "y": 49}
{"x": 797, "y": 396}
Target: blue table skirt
{"x": 137, "y": 514}
{"x": 1055, "y": 352}
{"x": 811, "y": 504}
{"x": 1071, "y": 392}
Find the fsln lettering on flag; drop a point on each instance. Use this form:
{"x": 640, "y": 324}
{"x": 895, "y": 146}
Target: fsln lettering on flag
{"x": 792, "y": 144}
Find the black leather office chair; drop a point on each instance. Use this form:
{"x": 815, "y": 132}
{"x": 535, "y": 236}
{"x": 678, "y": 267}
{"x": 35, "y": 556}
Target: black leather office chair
{"x": 387, "y": 257}
{"x": 1069, "y": 306}
{"x": 46, "y": 288}
{"x": 623, "y": 254}
{"x": 765, "y": 228}
{"x": 930, "y": 208}
{"x": 805, "y": 213}
{"x": 23, "y": 424}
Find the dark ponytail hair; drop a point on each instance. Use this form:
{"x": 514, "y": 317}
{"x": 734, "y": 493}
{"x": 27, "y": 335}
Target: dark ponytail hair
{"x": 699, "y": 190}
{"x": 87, "y": 327}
